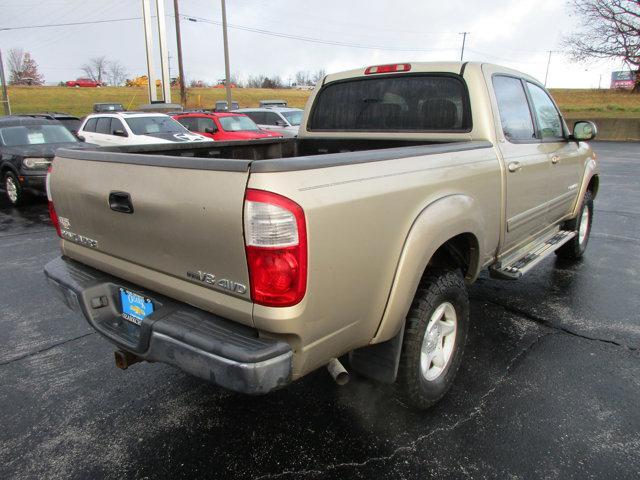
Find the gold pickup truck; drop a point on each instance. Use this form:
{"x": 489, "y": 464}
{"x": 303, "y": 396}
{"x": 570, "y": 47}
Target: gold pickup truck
{"x": 251, "y": 264}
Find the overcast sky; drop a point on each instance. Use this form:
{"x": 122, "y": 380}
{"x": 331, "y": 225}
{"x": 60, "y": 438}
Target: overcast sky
{"x": 514, "y": 33}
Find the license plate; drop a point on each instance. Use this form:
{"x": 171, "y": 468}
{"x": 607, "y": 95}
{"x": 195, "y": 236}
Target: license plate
{"x": 135, "y": 308}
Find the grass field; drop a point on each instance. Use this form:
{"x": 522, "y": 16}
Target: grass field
{"x": 79, "y": 101}
{"x": 574, "y": 103}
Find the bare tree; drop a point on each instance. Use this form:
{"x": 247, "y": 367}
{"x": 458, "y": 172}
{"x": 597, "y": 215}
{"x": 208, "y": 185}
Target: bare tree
{"x": 15, "y": 61}
{"x": 255, "y": 81}
{"x": 609, "y": 29}
{"x": 96, "y": 69}
{"x": 319, "y": 75}
{"x": 116, "y": 73}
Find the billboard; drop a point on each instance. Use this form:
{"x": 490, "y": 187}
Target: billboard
{"x": 624, "y": 79}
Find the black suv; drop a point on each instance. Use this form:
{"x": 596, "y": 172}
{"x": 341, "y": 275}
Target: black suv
{"x": 27, "y": 147}
{"x": 70, "y": 122}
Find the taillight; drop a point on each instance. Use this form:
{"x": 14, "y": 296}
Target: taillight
{"x": 395, "y": 67}
{"x": 52, "y": 211}
{"x": 276, "y": 243}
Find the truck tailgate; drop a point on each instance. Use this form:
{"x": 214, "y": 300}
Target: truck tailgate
{"x": 184, "y": 237}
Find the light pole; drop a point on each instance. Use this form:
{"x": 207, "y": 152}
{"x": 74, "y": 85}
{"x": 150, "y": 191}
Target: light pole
{"x": 226, "y": 54}
{"x": 546, "y": 75}
{"x": 464, "y": 39}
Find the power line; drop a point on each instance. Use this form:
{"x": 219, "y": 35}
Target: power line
{"x": 28, "y": 27}
{"x": 193, "y": 18}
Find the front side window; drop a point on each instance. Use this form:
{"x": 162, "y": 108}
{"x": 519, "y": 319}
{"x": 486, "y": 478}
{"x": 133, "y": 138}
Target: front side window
{"x": 549, "y": 120}
{"x": 294, "y": 118}
{"x": 515, "y": 115}
{"x": 238, "y": 123}
{"x": 205, "y": 124}
{"x": 116, "y": 125}
{"x": 421, "y": 102}
{"x": 34, "y": 135}
{"x": 159, "y": 124}
{"x": 271, "y": 118}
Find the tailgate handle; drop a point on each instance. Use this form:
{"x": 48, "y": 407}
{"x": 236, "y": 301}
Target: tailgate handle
{"x": 120, "y": 202}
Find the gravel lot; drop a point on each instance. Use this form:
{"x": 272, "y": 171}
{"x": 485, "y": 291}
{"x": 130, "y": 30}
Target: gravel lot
{"x": 549, "y": 387}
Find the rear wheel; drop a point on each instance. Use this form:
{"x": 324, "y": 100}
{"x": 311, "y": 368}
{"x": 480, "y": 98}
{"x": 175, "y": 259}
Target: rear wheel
{"x": 13, "y": 189}
{"x": 434, "y": 338}
{"x": 574, "y": 249}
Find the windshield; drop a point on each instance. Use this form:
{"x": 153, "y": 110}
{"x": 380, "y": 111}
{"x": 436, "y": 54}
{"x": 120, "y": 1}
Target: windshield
{"x": 293, "y": 117}
{"x": 159, "y": 124}
{"x": 418, "y": 103}
{"x": 238, "y": 123}
{"x": 34, "y": 135}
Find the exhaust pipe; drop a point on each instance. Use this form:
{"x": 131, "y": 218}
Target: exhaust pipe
{"x": 125, "y": 359}
{"x": 338, "y": 372}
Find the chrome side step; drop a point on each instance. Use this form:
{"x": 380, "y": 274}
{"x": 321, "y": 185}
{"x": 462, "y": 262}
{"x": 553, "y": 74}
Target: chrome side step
{"x": 515, "y": 266}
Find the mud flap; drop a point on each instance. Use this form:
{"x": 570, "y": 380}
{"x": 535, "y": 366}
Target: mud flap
{"x": 380, "y": 361}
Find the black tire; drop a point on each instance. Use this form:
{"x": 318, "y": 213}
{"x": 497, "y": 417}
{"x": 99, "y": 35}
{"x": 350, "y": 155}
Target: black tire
{"x": 19, "y": 192}
{"x": 437, "y": 288}
{"x": 575, "y": 248}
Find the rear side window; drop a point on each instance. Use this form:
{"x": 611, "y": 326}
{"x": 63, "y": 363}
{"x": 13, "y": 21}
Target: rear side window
{"x": 514, "y": 108}
{"x": 394, "y": 103}
{"x": 546, "y": 113}
{"x": 204, "y": 123}
{"x": 104, "y": 125}
{"x": 90, "y": 126}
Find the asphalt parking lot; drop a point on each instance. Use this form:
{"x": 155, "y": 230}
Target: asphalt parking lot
{"x": 549, "y": 387}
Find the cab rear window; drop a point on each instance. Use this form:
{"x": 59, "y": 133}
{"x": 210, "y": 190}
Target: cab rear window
{"x": 417, "y": 102}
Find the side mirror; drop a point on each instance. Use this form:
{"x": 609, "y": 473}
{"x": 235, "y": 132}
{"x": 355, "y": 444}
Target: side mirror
{"x": 210, "y": 130}
{"x": 584, "y": 131}
{"x": 120, "y": 133}
{"x": 279, "y": 123}
{"x": 81, "y": 138}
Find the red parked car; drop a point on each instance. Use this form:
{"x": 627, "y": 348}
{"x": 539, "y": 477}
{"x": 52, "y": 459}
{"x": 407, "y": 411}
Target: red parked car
{"x": 83, "y": 82}
{"x": 224, "y": 126}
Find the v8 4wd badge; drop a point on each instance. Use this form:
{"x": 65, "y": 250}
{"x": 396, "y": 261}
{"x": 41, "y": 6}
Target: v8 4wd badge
{"x": 222, "y": 283}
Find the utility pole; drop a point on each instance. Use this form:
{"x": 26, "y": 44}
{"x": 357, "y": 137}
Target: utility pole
{"x": 183, "y": 92}
{"x": 546, "y": 75}
{"x": 5, "y": 97}
{"x": 227, "y": 82}
{"x": 464, "y": 40}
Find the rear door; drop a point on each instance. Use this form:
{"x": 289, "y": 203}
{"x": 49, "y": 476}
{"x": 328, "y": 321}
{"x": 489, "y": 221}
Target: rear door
{"x": 526, "y": 160}
{"x": 566, "y": 164}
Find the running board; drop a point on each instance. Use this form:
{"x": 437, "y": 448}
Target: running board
{"x": 524, "y": 260}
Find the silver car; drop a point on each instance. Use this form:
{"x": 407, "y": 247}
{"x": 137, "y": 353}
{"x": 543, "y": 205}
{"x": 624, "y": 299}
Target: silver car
{"x": 277, "y": 119}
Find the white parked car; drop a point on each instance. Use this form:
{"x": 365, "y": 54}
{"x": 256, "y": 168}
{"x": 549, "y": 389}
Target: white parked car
{"x": 135, "y": 128}
{"x": 277, "y": 119}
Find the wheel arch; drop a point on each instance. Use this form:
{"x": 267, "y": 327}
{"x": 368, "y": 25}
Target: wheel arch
{"x": 448, "y": 232}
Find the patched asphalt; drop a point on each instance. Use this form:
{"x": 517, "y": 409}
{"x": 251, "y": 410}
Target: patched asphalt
{"x": 549, "y": 386}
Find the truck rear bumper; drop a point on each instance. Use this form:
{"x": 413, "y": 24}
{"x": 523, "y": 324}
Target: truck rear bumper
{"x": 205, "y": 345}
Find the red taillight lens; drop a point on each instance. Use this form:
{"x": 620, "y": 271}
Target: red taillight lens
{"x": 395, "y": 67}
{"x": 276, "y": 245}
{"x": 52, "y": 211}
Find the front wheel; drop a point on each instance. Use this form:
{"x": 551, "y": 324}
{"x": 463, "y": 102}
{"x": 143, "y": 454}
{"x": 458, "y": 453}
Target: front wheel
{"x": 434, "y": 337}
{"x": 13, "y": 189}
{"x": 575, "y": 248}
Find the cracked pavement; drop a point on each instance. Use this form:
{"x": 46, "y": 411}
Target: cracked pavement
{"x": 549, "y": 386}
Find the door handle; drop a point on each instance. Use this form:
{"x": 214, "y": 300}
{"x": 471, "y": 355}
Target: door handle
{"x": 514, "y": 166}
{"x": 555, "y": 159}
{"x": 120, "y": 202}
